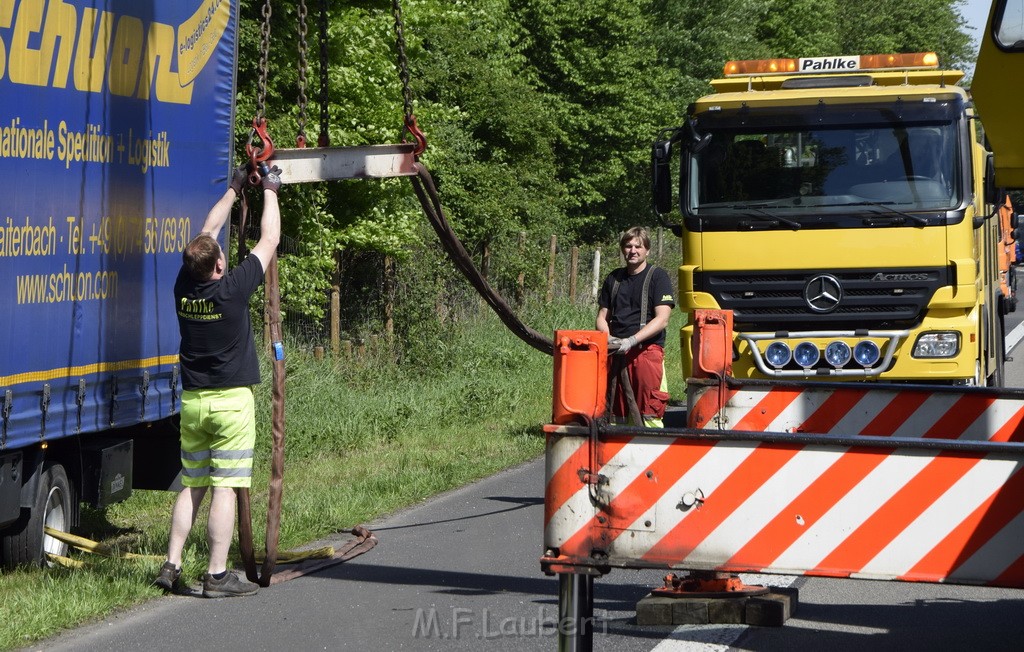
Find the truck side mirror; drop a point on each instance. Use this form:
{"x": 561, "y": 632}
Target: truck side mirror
{"x": 990, "y": 181}
{"x": 661, "y": 176}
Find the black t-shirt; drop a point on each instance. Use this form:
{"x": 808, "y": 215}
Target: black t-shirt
{"x": 217, "y": 344}
{"x": 624, "y": 315}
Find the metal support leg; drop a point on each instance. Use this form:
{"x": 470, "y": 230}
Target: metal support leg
{"x": 575, "y": 612}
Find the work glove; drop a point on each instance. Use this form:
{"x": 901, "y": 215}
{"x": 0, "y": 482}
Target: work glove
{"x": 238, "y": 178}
{"x": 625, "y": 344}
{"x": 270, "y": 177}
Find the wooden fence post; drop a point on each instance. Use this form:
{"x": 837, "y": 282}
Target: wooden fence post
{"x": 574, "y": 267}
{"x": 596, "y": 284}
{"x": 485, "y": 270}
{"x": 389, "y": 296}
{"x": 551, "y": 268}
{"x": 521, "y": 279}
{"x": 335, "y": 315}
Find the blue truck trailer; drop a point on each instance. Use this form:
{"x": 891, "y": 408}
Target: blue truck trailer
{"x": 115, "y": 139}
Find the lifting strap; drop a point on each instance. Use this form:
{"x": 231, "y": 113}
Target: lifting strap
{"x": 426, "y": 191}
{"x": 276, "y": 488}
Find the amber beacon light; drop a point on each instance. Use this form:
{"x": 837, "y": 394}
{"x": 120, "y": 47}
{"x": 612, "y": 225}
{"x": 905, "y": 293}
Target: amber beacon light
{"x": 820, "y": 65}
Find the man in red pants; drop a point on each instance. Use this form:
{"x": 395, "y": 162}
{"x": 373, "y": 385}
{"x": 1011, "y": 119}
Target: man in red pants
{"x": 634, "y": 307}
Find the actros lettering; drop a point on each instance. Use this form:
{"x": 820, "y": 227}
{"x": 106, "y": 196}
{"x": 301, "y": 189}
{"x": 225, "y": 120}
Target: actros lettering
{"x": 881, "y": 276}
{"x": 52, "y": 43}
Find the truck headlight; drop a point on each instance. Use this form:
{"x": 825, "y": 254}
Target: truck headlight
{"x": 938, "y": 344}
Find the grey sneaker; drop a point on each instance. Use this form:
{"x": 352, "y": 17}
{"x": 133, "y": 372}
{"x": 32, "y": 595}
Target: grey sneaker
{"x": 229, "y": 586}
{"x": 169, "y": 578}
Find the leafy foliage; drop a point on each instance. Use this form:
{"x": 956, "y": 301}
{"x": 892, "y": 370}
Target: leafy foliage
{"x": 539, "y": 115}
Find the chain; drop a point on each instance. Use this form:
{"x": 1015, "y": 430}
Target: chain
{"x": 261, "y": 97}
{"x": 324, "y": 139}
{"x": 403, "y": 64}
{"x": 300, "y": 140}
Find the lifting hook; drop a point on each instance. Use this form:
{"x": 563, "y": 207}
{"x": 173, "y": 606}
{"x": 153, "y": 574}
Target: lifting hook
{"x": 261, "y": 154}
{"x": 414, "y": 130}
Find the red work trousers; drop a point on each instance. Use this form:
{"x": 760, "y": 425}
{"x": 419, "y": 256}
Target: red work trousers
{"x": 645, "y": 365}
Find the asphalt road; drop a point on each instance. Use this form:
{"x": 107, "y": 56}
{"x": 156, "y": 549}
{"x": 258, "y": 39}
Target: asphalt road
{"x": 461, "y": 572}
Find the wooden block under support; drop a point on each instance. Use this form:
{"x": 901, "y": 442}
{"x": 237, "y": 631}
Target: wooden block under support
{"x": 770, "y": 610}
{"x": 305, "y": 165}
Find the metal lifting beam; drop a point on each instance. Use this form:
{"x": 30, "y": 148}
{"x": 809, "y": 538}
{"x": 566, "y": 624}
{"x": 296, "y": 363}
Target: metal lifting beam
{"x": 305, "y": 165}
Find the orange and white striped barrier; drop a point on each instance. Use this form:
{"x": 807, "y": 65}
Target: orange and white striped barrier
{"x": 888, "y": 482}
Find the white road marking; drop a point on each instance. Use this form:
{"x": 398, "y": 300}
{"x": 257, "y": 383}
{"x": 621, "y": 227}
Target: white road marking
{"x": 1014, "y": 337}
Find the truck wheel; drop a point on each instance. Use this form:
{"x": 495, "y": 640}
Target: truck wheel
{"x": 24, "y": 543}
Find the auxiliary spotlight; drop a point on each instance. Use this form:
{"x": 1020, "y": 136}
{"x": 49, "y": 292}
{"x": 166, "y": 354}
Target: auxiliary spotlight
{"x": 778, "y": 354}
{"x": 806, "y": 354}
{"x": 866, "y": 353}
{"x": 838, "y": 353}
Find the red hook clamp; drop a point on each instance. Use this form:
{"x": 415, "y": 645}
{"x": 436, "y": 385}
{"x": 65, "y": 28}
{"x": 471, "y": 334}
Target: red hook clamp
{"x": 258, "y": 155}
{"x": 417, "y": 135}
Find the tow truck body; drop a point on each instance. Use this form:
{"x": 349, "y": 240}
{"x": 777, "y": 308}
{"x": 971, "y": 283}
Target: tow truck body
{"x": 841, "y": 208}
{"x": 795, "y": 233}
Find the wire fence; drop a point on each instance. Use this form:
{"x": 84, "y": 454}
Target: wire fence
{"x": 378, "y": 298}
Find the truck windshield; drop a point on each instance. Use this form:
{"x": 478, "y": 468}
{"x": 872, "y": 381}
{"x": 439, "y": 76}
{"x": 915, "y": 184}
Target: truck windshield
{"x": 819, "y": 163}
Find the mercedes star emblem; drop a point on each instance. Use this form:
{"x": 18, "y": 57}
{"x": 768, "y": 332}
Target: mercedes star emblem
{"x": 823, "y": 293}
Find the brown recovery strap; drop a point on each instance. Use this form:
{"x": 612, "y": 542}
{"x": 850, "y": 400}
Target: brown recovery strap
{"x": 276, "y": 488}
{"x": 426, "y": 191}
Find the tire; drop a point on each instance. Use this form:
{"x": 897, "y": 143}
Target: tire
{"x": 24, "y": 543}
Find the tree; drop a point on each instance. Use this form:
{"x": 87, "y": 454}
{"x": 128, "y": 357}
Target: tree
{"x": 491, "y": 128}
{"x": 598, "y": 64}
{"x": 801, "y": 28}
{"x": 889, "y": 26}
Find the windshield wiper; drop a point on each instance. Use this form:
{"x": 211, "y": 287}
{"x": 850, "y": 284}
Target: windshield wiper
{"x": 901, "y": 217}
{"x": 772, "y": 219}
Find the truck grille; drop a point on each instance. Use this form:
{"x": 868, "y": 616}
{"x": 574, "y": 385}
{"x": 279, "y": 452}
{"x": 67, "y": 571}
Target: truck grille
{"x": 777, "y": 301}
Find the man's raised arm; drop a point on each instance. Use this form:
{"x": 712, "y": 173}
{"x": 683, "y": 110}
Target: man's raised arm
{"x": 221, "y": 211}
{"x": 270, "y": 222}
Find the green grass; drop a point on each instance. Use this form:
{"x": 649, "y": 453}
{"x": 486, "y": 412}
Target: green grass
{"x": 363, "y": 438}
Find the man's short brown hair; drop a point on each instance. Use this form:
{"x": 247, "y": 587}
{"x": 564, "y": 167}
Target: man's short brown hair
{"x": 200, "y": 256}
{"x": 635, "y": 232}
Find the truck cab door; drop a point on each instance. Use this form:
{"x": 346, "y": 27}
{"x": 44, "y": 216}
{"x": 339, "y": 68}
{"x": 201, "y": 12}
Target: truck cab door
{"x": 999, "y": 72}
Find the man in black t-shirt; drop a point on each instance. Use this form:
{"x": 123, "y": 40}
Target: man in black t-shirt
{"x": 634, "y": 307}
{"x": 218, "y": 368}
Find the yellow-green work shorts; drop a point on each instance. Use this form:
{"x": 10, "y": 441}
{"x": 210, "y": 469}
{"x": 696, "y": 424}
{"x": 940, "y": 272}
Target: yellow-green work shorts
{"x": 218, "y": 432}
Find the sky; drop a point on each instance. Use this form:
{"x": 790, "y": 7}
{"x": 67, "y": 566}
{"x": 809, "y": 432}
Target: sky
{"x": 976, "y": 13}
